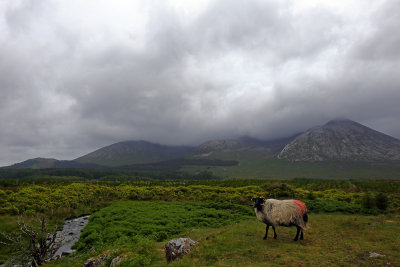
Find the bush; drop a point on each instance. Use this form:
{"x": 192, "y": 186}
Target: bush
{"x": 332, "y": 206}
{"x": 381, "y": 201}
{"x": 367, "y": 201}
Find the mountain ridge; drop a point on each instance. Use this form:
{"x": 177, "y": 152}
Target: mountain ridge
{"x": 337, "y": 140}
{"x": 343, "y": 140}
{"x": 47, "y": 163}
{"x": 134, "y": 152}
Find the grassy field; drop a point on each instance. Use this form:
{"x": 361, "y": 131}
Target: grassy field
{"x": 330, "y": 240}
{"x": 256, "y": 166}
{"x": 136, "y": 218}
{"x": 156, "y": 220}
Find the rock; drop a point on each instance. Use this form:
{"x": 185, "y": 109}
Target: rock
{"x": 116, "y": 261}
{"x": 177, "y": 248}
{"x": 375, "y": 255}
{"x": 98, "y": 260}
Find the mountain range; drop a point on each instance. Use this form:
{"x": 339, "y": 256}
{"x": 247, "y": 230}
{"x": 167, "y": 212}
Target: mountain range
{"x": 338, "y": 140}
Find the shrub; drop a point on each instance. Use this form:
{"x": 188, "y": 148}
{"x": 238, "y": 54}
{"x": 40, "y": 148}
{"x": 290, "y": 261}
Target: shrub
{"x": 381, "y": 201}
{"x": 368, "y": 201}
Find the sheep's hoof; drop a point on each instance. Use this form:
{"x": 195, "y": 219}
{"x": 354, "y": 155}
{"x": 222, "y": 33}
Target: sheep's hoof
{"x": 295, "y": 239}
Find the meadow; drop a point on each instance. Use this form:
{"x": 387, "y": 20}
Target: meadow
{"x": 135, "y": 219}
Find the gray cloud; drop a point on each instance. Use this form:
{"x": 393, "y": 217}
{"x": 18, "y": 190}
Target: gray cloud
{"x": 79, "y": 75}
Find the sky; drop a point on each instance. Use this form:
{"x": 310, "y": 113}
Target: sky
{"x": 78, "y": 75}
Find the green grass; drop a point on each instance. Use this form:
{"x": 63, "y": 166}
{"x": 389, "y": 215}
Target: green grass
{"x": 8, "y": 224}
{"x": 331, "y": 240}
{"x": 228, "y": 236}
{"x": 156, "y": 220}
{"x": 134, "y": 227}
{"x": 256, "y": 166}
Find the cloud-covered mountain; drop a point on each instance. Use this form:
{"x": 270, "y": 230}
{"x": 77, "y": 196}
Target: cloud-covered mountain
{"x": 75, "y": 75}
{"x": 338, "y": 140}
{"x": 46, "y": 163}
{"x": 342, "y": 140}
{"x": 134, "y": 152}
{"x": 243, "y": 144}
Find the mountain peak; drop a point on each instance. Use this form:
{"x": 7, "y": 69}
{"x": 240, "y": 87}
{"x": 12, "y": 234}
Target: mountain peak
{"x": 339, "y": 140}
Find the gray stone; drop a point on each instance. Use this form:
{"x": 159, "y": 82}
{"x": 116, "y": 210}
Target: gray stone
{"x": 116, "y": 261}
{"x": 98, "y": 260}
{"x": 375, "y": 255}
{"x": 177, "y": 248}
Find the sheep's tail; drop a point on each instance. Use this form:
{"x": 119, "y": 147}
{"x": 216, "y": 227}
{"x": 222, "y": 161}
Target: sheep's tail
{"x": 302, "y": 211}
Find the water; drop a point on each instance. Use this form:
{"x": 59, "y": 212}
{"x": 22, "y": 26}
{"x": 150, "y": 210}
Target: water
{"x": 70, "y": 235}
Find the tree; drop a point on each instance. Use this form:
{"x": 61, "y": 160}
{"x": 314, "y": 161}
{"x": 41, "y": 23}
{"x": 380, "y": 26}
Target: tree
{"x": 33, "y": 243}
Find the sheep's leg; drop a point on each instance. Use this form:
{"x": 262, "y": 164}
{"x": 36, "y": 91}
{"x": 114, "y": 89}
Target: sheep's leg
{"x": 266, "y": 231}
{"x": 301, "y": 235}
{"x": 275, "y": 236}
{"x": 297, "y": 234}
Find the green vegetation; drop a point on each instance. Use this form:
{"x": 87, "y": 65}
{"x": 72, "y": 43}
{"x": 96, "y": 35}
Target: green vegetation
{"x": 84, "y": 197}
{"x": 222, "y": 165}
{"x": 331, "y": 240}
{"x": 156, "y": 220}
{"x": 253, "y": 164}
{"x": 134, "y": 218}
{"x": 160, "y": 171}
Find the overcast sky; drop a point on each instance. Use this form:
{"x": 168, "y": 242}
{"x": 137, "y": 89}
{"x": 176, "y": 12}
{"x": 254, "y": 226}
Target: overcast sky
{"x": 77, "y": 75}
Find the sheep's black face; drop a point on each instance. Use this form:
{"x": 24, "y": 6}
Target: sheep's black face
{"x": 258, "y": 202}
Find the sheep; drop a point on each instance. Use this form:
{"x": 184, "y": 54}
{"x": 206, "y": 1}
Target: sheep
{"x": 287, "y": 213}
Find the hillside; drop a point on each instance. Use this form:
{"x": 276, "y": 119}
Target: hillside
{"x": 340, "y": 149}
{"x": 243, "y": 147}
{"x": 342, "y": 140}
{"x": 45, "y": 163}
{"x": 134, "y": 152}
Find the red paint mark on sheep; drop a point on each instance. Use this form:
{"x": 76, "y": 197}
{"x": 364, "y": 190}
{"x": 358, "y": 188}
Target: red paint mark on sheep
{"x": 301, "y": 207}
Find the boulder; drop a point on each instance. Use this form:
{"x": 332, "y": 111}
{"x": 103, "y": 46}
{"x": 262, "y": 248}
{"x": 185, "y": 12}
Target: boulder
{"x": 178, "y": 247}
{"x": 375, "y": 255}
{"x": 116, "y": 261}
{"x": 98, "y": 260}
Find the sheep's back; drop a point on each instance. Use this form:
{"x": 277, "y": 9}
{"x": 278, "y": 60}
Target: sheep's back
{"x": 283, "y": 212}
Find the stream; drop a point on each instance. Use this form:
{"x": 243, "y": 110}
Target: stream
{"x": 69, "y": 235}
